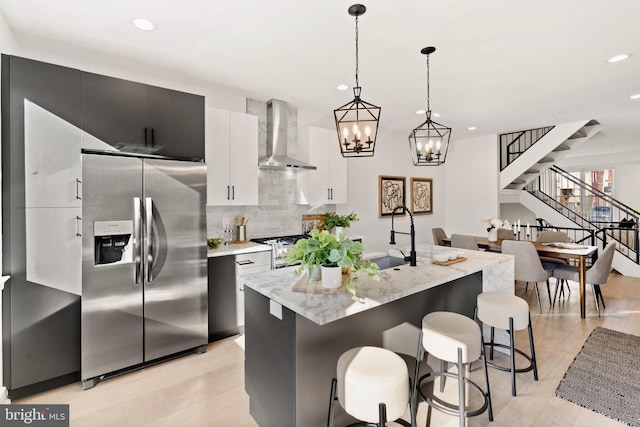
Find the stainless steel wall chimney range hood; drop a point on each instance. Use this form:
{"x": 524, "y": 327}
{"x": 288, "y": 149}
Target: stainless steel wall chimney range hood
{"x": 277, "y": 157}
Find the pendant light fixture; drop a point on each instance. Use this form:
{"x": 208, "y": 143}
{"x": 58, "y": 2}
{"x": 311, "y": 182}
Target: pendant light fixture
{"x": 429, "y": 142}
{"x": 357, "y": 121}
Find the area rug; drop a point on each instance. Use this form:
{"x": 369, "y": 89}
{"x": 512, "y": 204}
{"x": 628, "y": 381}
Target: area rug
{"x": 605, "y": 376}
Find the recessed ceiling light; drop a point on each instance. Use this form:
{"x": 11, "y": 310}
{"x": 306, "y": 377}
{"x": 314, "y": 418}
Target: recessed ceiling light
{"x": 342, "y": 87}
{"x": 618, "y": 58}
{"x": 636, "y": 96}
{"x": 472, "y": 128}
{"x": 435, "y": 114}
{"x": 144, "y": 24}
{"x": 420, "y": 112}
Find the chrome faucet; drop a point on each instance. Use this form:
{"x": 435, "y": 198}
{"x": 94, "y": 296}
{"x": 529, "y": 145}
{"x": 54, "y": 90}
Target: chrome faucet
{"x": 412, "y": 255}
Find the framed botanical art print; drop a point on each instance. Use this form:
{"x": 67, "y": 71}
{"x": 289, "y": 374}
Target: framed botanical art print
{"x": 391, "y": 194}
{"x": 421, "y": 195}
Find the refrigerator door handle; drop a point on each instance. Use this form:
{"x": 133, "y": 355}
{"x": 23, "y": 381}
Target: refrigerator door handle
{"x": 137, "y": 228}
{"x": 148, "y": 265}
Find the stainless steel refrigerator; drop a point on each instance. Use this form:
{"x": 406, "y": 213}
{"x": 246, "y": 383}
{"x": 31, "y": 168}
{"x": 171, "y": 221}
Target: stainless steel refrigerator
{"x": 144, "y": 262}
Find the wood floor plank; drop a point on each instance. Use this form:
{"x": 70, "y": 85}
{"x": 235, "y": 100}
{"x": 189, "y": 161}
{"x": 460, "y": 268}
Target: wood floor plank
{"x": 203, "y": 390}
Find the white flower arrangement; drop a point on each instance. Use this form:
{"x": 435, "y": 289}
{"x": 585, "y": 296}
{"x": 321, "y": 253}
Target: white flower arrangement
{"x": 491, "y": 222}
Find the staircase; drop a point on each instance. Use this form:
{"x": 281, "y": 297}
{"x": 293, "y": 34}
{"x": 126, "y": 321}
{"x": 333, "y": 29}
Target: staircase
{"x": 528, "y": 176}
{"x": 526, "y": 154}
{"x": 625, "y": 260}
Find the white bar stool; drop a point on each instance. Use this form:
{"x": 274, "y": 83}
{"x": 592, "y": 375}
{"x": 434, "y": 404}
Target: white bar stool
{"x": 453, "y": 338}
{"x": 511, "y": 313}
{"x": 372, "y": 385}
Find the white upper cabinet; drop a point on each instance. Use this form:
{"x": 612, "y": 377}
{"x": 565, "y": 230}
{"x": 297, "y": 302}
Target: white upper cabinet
{"x": 52, "y": 169}
{"x": 231, "y": 153}
{"x": 328, "y": 183}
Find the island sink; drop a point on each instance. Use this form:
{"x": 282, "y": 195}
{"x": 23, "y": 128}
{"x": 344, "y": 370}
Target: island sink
{"x": 388, "y": 261}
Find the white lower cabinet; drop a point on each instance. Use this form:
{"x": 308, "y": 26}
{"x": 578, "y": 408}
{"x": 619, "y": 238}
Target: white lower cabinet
{"x": 54, "y": 246}
{"x": 231, "y": 153}
{"x": 328, "y": 183}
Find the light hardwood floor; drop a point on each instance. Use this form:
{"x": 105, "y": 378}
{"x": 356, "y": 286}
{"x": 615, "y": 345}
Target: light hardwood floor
{"x": 208, "y": 390}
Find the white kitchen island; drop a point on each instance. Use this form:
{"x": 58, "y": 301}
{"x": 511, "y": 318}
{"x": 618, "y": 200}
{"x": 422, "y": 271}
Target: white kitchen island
{"x": 293, "y": 340}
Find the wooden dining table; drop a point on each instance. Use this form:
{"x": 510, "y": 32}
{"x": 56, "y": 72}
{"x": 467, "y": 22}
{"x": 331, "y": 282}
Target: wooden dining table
{"x": 581, "y": 255}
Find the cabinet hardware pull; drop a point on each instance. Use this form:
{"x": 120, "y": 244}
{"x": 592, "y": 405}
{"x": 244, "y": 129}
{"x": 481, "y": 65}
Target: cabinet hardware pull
{"x": 153, "y": 137}
{"x": 228, "y": 192}
{"x": 78, "y": 191}
{"x": 146, "y": 135}
{"x": 233, "y": 192}
{"x": 78, "y": 226}
{"x": 245, "y": 262}
{"x": 328, "y": 194}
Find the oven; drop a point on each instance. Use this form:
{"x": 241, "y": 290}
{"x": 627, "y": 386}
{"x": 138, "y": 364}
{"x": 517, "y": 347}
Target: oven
{"x": 279, "y": 247}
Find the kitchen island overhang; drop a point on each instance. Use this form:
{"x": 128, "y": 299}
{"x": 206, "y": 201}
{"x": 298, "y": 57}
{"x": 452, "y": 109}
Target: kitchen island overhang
{"x": 293, "y": 340}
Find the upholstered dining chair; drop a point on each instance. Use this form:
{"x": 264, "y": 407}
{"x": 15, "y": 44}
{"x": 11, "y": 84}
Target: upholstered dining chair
{"x": 550, "y": 263}
{"x": 438, "y": 236}
{"x": 528, "y": 267}
{"x": 596, "y": 275}
{"x": 553, "y": 237}
{"x": 464, "y": 241}
{"x": 505, "y": 234}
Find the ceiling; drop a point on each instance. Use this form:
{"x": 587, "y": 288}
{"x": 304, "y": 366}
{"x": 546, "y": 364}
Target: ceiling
{"x": 500, "y": 65}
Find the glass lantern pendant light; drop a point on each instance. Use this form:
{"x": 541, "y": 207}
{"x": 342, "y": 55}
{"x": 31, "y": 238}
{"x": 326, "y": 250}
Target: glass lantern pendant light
{"x": 429, "y": 142}
{"x": 357, "y": 121}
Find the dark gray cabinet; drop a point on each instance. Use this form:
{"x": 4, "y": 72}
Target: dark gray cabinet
{"x": 138, "y": 118}
{"x": 226, "y": 290}
{"x": 222, "y": 297}
{"x": 41, "y": 322}
{"x": 41, "y": 317}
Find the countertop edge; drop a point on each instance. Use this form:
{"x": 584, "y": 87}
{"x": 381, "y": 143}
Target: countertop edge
{"x": 277, "y": 284}
{"x": 237, "y": 249}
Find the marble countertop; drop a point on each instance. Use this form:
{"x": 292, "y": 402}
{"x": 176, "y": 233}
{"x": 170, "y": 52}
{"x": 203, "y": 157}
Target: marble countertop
{"x": 498, "y": 274}
{"x": 237, "y": 248}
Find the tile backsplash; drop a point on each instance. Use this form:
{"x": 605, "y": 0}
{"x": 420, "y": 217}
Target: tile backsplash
{"x": 264, "y": 221}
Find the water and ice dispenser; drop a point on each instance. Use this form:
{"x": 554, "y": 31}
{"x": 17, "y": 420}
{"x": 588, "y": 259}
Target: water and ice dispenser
{"x": 113, "y": 242}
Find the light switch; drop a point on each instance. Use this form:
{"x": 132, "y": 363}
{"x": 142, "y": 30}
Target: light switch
{"x": 275, "y": 309}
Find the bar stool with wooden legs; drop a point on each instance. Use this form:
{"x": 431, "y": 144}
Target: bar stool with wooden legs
{"x": 372, "y": 385}
{"x": 511, "y": 313}
{"x": 456, "y": 339}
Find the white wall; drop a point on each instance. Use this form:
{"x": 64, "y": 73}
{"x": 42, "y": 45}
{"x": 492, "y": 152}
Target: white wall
{"x": 392, "y": 157}
{"x": 471, "y": 185}
{"x": 517, "y": 211}
{"x": 626, "y": 184}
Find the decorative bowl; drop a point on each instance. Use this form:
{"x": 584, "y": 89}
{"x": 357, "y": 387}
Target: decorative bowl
{"x": 441, "y": 256}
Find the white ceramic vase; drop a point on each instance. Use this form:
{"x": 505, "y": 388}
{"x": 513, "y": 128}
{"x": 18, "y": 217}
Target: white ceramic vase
{"x": 493, "y": 235}
{"x": 331, "y": 277}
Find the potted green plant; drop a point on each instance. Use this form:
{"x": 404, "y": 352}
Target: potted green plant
{"x": 324, "y": 250}
{"x": 338, "y": 222}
